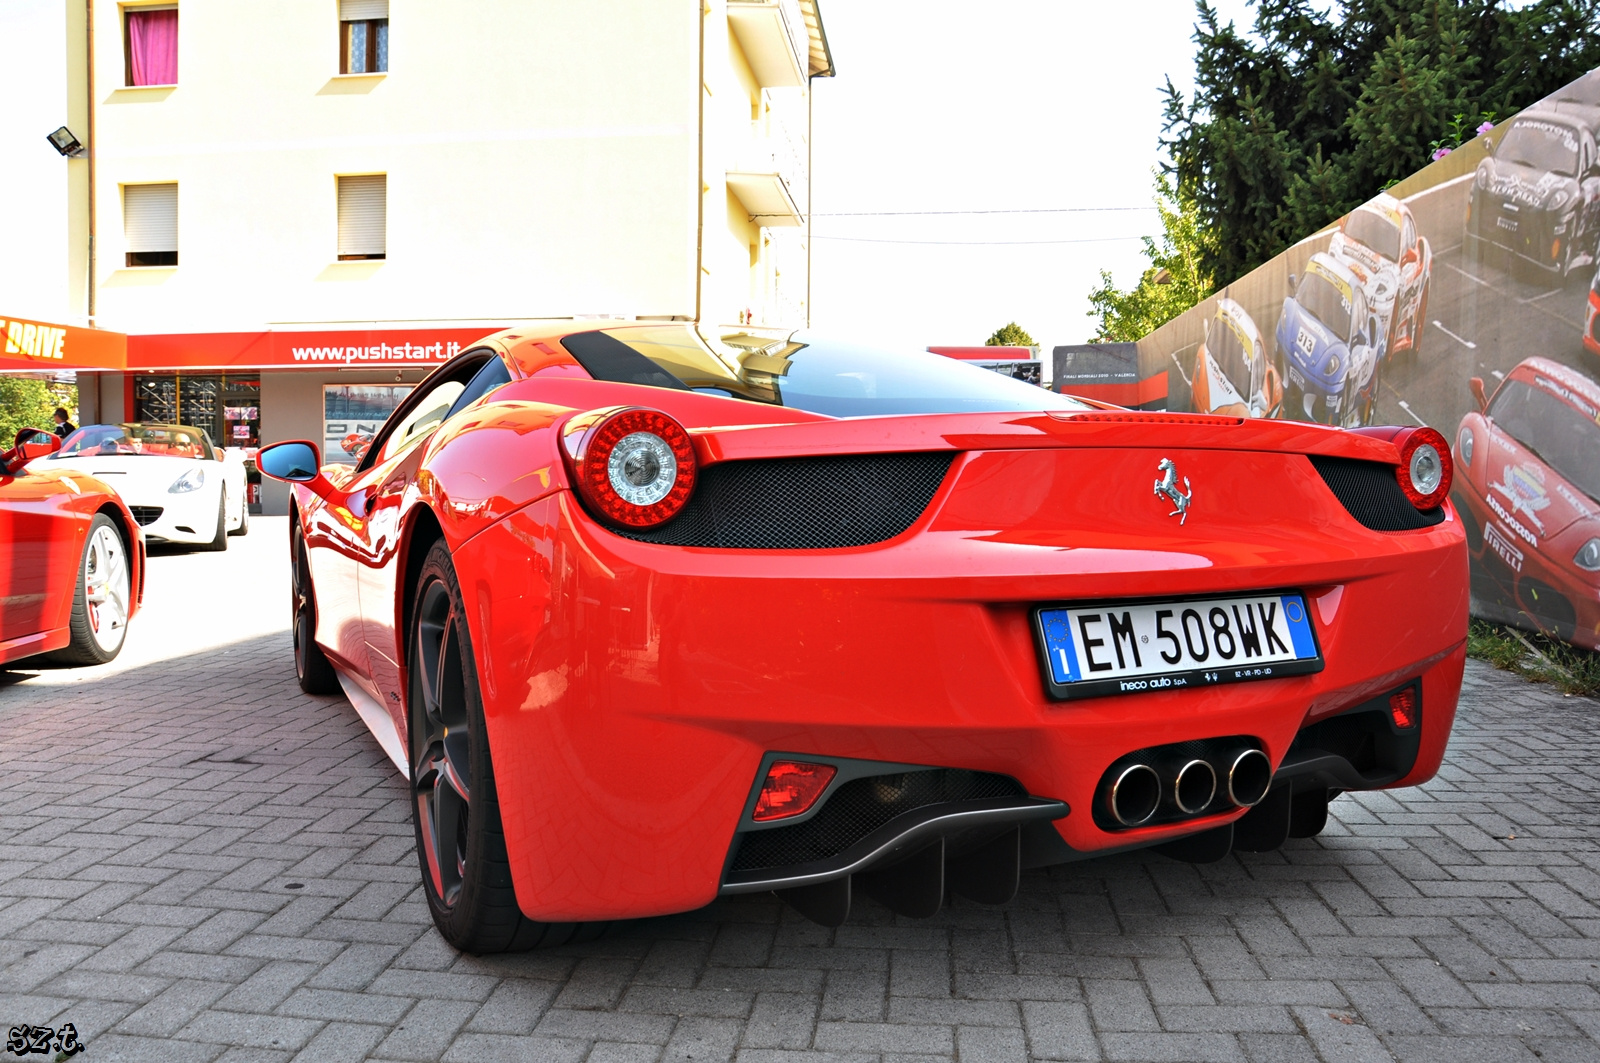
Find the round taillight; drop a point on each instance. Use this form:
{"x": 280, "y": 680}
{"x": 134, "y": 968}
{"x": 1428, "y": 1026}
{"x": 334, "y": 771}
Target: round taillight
{"x": 634, "y": 467}
{"x": 1425, "y": 468}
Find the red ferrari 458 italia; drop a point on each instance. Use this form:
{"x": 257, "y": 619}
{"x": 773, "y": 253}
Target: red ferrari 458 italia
{"x": 73, "y": 568}
{"x": 1529, "y": 496}
{"x": 649, "y": 616}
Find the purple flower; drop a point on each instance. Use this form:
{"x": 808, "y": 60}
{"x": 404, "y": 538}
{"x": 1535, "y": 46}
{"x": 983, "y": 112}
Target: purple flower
{"x": 1439, "y": 153}
{"x": 1485, "y": 127}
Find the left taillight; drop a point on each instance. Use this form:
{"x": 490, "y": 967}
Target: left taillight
{"x": 633, "y": 467}
{"x": 1425, "y": 468}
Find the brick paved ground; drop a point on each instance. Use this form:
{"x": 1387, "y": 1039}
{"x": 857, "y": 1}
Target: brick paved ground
{"x": 201, "y": 863}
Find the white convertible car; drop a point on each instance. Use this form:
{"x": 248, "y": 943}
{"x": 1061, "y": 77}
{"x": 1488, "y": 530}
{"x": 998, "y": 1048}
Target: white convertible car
{"x": 179, "y": 487}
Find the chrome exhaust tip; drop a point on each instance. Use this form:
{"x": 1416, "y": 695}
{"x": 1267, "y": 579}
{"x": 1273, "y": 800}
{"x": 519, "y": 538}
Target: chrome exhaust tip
{"x": 1194, "y": 786}
{"x": 1135, "y": 795}
{"x": 1249, "y": 778}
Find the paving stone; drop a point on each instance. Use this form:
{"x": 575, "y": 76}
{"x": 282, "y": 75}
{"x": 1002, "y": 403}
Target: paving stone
{"x": 147, "y": 901}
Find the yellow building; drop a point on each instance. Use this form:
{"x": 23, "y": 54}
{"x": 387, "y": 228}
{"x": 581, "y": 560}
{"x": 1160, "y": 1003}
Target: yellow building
{"x": 398, "y": 177}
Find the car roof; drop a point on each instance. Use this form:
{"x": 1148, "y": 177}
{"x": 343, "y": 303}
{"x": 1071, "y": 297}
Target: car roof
{"x": 1571, "y": 114}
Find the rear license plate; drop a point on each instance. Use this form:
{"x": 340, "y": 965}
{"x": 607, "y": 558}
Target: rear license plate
{"x": 1509, "y": 224}
{"x": 1127, "y": 647}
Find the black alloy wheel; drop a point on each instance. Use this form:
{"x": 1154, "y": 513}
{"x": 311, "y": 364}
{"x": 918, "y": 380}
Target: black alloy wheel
{"x": 461, "y": 844}
{"x": 311, "y": 665}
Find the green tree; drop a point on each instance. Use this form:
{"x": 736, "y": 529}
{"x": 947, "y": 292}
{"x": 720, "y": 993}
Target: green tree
{"x": 24, "y": 403}
{"x": 1010, "y": 334}
{"x": 1294, "y": 124}
{"x": 1175, "y": 280}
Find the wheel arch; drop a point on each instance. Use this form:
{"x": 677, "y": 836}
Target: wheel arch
{"x": 421, "y": 532}
{"x": 130, "y": 543}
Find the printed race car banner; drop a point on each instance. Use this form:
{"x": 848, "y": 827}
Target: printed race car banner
{"x": 352, "y": 415}
{"x": 1466, "y": 297}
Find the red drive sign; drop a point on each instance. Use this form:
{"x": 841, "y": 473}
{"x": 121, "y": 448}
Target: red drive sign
{"x": 36, "y": 346}
{"x": 345, "y": 349}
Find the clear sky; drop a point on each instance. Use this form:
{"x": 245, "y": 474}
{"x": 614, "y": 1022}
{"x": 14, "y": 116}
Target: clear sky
{"x": 1026, "y": 105}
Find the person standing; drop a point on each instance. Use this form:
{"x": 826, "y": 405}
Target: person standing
{"x": 64, "y": 427}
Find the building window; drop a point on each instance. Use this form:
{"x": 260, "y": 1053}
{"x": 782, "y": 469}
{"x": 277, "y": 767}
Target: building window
{"x": 150, "y": 45}
{"x": 363, "y": 211}
{"x": 150, "y": 224}
{"x": 363, "y": 36}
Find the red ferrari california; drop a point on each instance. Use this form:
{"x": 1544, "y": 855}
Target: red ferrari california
{"x": 73, "y": 570}
{"x": 649, "y": 616}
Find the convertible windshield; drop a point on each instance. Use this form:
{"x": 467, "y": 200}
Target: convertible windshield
{"x": 1374, "y": 230}
{"x": 1322, "y": 299}
{"x": 809, "y": 373}
{"x": 1542, "y": 145}
{"x": 1564, "y": 439}
{"x": 128, "y": 440}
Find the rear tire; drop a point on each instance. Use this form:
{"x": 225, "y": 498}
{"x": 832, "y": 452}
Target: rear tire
{"x": 311, "y": 666}
{"x": 219, "y": 541}
{"x": 461, "y": 845}
{"x": 99, "y": 623}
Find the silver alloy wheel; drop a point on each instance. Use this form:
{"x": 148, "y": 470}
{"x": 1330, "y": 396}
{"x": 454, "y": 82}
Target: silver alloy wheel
{"x": 105, "y": 588}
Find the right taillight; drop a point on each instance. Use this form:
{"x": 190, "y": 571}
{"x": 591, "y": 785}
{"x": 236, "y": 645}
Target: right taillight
{"x": 1425, "y": 467}
{"x": 634, "y": 467}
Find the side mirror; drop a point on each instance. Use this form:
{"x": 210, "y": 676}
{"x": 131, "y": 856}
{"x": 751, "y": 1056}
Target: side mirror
{"x": 1294, "y": 282}
{"x": 298, "y": 461}
{"x": 295, "y": 462}
{"x": 1475, "y": 385}
{"x": 36, "y": 443}
{"x": 1488, "y": 145}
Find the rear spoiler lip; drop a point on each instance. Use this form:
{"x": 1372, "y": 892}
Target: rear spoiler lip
{"x": 1043, "y": 430}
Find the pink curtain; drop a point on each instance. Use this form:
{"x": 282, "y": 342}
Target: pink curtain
{"x": 153, "y": 47}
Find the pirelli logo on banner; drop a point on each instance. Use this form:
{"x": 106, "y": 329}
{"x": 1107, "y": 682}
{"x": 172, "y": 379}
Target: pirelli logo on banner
{"x": 34, "y": 341}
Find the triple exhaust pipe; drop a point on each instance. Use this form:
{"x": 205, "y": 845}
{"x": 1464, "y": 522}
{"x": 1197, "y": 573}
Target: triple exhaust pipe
{"x": 1187, "y": 787}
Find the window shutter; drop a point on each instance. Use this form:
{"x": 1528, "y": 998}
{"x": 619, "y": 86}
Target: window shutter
{"x": 362, "y": 213}
{"x": 150, "y": 217}
{"x": 359, "y": 10}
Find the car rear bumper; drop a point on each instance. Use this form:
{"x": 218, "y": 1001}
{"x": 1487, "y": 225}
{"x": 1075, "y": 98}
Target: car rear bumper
{"x": 632, "y": 690}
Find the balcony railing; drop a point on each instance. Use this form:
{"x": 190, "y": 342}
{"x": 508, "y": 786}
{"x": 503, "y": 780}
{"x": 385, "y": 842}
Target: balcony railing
{"x": 768, "y": 172}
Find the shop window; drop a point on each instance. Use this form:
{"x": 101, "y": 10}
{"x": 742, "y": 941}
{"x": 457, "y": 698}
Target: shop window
{"x": 363, "y": 216}
{"x": 150, "y": 45}
{"x": 363, "y": 36}
{"x": 150, "y": 224}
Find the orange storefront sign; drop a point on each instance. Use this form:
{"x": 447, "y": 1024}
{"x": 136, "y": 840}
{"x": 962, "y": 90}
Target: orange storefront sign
{"x": 38, "y": 346}
{"x": 342, "y": 349}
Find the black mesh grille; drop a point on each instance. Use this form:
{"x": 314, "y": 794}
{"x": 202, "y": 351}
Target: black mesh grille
{"x": 805, "y": 503}
{"x": 861, "y": 806}
{"x": 1370, "y": 492}
{"x": 146, "y": 514}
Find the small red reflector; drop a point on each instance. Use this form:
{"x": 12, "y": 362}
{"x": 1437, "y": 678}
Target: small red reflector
{"x": 1403, "y": 707}
{"x": 792, "y": 787}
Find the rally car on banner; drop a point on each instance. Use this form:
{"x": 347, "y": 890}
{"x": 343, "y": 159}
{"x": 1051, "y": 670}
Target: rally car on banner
{"x": 1538, "y": 194}
{"x": 1591, "y": 324}
{"x": 1231, "y": 372}
{"x": 1331, "y": 344}
{"x": 1529, "y": 495}
{"x": 180, "y": 488}
{"x": 647, "y": 616}
{"x": 1380, "y": 238}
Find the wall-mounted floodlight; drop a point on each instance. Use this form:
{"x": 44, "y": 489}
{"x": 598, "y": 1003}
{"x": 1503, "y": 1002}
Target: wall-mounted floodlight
{"x": 67, "y": 144}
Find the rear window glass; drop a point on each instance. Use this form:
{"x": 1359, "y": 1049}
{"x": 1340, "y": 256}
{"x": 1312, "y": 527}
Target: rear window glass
{"x": 833, "y": 378}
